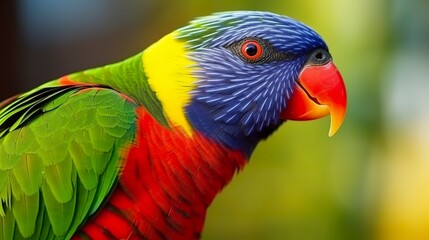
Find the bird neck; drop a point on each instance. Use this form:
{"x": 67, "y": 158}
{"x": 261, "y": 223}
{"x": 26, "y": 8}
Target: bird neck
{"x": 232, "y": 136}
{"x": 129, "y": 78}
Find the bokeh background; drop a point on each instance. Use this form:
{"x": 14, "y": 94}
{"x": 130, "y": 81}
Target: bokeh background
{"x": 370, "y": 181}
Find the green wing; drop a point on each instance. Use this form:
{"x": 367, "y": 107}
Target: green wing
{"x": 61, "y": 148}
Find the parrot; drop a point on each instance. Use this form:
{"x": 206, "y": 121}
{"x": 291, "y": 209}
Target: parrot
{"x": 139, "y": 149}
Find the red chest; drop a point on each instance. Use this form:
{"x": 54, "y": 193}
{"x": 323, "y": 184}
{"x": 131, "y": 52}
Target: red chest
{"x": 168, "y": 181}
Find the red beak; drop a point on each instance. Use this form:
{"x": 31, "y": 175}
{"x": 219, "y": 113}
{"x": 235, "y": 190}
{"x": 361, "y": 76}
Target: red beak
{"x": 319, "y": 91}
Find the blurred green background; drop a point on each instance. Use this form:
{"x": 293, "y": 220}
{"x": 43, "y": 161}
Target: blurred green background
{"x": 370, "y": 181}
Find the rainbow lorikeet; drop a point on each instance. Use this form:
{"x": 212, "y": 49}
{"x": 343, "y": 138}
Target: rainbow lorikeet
{"x": 138, "y": 149}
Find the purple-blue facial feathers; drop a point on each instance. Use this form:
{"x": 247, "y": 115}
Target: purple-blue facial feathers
{"x": 237, "y": 102}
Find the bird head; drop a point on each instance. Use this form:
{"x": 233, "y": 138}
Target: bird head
{"x": 237, "y": 76}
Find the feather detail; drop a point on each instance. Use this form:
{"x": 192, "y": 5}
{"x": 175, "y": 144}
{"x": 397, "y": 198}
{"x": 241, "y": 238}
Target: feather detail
{"x": 169, "y": 71}
{"x": 60, "y": 157}
{"x": 164, "y": 191}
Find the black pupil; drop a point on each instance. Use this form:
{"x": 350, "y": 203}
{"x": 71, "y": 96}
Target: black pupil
{"x": 320, "y": 56}
{"x": 251, "y": 49}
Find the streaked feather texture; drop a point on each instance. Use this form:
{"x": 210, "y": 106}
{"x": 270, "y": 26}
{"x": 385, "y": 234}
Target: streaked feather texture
{"x": 236, "y": 102}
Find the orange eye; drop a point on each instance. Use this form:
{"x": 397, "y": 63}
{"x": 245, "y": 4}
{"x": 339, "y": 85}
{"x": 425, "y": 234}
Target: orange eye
{"x": 251, "y": 50}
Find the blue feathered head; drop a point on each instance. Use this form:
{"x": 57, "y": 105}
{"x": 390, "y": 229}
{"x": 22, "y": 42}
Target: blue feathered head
{"x": 248, "y": 65}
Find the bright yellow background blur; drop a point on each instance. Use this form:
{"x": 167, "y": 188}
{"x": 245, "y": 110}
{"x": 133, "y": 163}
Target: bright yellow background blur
{"x": 369, "y": 181}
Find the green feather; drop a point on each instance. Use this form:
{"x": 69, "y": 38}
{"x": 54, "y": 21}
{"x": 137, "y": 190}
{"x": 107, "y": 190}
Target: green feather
{"x": 7, "y": 226}
{"x": 58, "y": 164}
{"x": 58, "y": 179}
{"x": 87, "y": 174}
{"x": 8, "y": 160}
{"x": 25, "y": 211}
{"x": 108, "y": 179}
{"x": 5, "y": 192}
{"x": 16, "y": 188}
{"x": 29, "y": 173}
{"x": 84, "y": 200}
{"x": 100, "y": 140}
{"x": 43, "y": 232}
{"x": 13, "y": 148}
{"x": 128, "y": 77}
{"x": 26, "y": 106}
{"x": 60, "y": 213}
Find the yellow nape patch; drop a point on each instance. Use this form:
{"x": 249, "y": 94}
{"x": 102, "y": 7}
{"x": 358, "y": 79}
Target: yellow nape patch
{"x": 169, "y": 75}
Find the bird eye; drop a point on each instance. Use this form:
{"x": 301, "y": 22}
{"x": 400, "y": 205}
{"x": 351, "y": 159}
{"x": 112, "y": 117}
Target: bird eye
{"x": 255, "y": 50}
{"x": 320, "y": 57}
{"x": 251, "y": 50}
